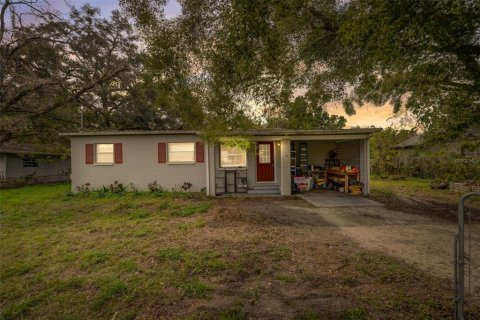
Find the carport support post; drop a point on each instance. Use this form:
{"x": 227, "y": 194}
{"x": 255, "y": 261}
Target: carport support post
{"x": 285, "y": 179}
{"x": 365, "y": 165}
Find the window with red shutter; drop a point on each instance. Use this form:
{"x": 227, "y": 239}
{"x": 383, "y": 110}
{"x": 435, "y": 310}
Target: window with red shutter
{"x": 118, "y": 153}
{"x": 200, "y": 150}
{"x": 162, "y": 152}
{"x": 89, "y": 153}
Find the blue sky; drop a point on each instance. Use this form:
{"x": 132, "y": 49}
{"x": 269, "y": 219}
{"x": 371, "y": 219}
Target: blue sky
{"x": 172, "y": 8}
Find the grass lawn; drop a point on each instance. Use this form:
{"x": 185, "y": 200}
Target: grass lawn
{"x": 185, "y": 256}
{"x": 414, "y": 195}
{"x": 414, "y": 187}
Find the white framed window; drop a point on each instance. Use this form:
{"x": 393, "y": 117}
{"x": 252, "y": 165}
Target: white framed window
{"x": 104, "y": 153}
{"x": 181, "y": 152}
{"x": 232, "y": 157}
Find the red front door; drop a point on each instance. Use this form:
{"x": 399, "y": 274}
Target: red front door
{"x": 265, "y": 161}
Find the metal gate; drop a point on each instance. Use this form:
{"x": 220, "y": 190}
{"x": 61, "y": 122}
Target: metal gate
{"x": 462, "y": 258}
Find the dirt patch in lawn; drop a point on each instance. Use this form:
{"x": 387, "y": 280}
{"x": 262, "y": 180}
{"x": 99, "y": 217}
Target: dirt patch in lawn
{"x": 273, "y": 211}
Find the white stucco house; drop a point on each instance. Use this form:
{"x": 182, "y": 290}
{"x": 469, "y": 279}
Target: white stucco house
{"x": 172, "y": 157}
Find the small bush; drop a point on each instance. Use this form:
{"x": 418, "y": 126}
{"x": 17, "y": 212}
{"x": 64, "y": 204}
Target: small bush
{"x": 84, "y": 188}
{"x": 117, "y": 188}
{"x": 186, "y": 186}
{"x": 155, "y": 187}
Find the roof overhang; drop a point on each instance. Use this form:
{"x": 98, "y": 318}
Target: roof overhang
{"x": 356, "y": 133}
{"x": 33, "y": 153}
{"x": 129, "y": 133}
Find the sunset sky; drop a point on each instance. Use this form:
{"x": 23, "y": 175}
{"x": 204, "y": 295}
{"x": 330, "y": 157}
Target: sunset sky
{"x": 365, "y": 116}
{"x": 368, "y": 115}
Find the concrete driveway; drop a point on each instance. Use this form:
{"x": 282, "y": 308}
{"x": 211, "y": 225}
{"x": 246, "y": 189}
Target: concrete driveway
{"x": 422, "y": 241}
{"x": 333, "y": 199}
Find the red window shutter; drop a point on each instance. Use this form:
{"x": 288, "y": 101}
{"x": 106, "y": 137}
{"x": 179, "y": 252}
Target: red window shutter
{"x": 162, "y": 152}
{"x": 117, "y": 153}
{"x": 200, "y": 150}
{"x": 89, "y": 153}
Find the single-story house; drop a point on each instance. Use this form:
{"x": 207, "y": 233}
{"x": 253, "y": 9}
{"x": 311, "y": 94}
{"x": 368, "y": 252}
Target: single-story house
{"x": 20, "y": 164}
{"x": 175, "y": 157}
{"x": 412, "y": 149}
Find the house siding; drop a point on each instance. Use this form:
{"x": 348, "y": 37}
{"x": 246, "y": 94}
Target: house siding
{"x": 139, "y": 166}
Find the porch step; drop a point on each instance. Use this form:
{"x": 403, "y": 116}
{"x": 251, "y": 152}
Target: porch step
{"x": 263, "y": 191}
{"x": 266, "y": 187}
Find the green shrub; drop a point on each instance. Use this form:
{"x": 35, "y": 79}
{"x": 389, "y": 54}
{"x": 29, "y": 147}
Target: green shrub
{"x": 155, "y": 187}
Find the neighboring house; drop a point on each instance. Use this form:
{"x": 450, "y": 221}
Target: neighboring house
{"x": 407, "y": 150}
{"x": 23, "y": 164}
{"x": 173, "y": 157}
{"x": 412, "y": 149}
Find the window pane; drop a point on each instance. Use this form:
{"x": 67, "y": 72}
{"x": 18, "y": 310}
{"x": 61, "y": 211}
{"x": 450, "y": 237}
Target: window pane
{"x": 104, "y": 153}
{"x": 181, "y": 152}
{"x": 104, "y": 147}
{"x": 104, "y": 157}
{"x": 232, "y": 157}
{"x": 181, "y": 147}
{"x": 180, "y": 157}
{"x": 264, "y": 153}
